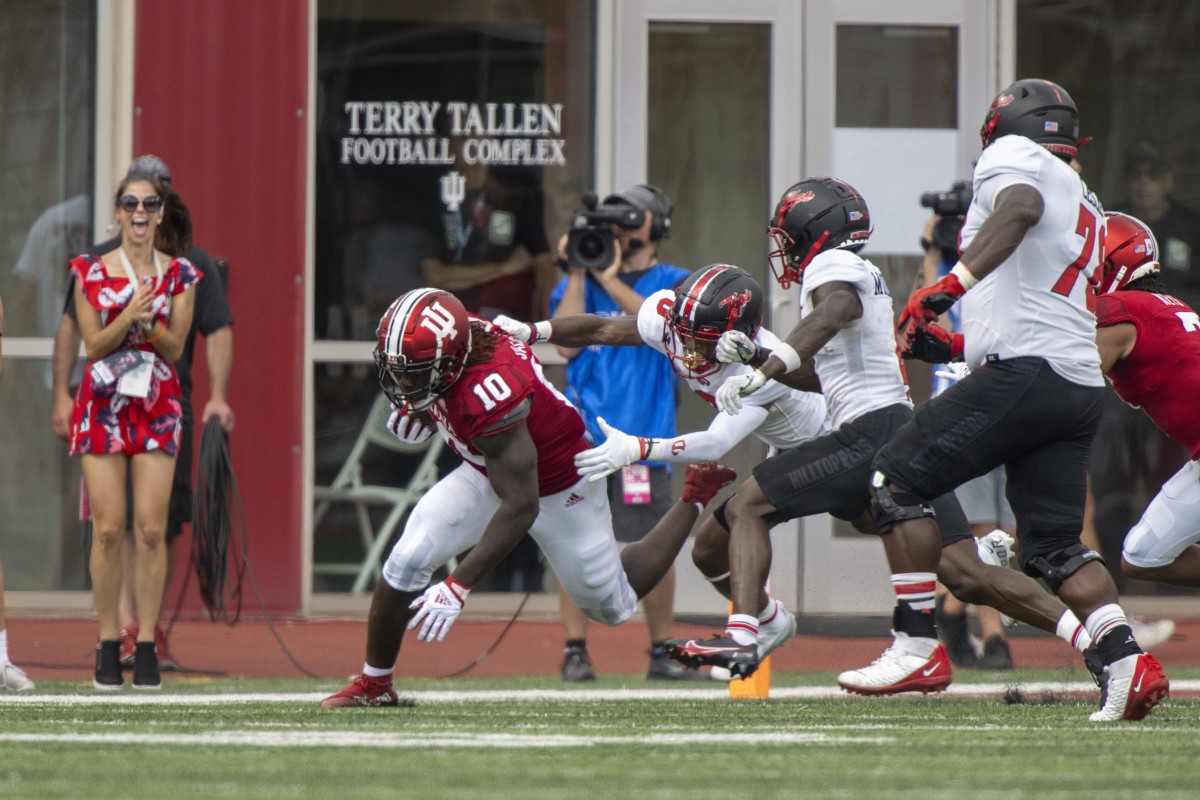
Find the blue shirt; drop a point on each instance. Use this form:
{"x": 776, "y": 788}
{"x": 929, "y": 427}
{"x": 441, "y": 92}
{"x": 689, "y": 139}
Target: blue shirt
{"x": 633, "y": 388}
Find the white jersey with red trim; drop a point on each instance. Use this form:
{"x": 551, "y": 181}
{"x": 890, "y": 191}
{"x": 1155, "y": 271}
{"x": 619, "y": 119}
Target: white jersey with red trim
{"x": 792, "y": 416}
{"x": 860, "y": 367}
{"x": 485, "y": 396}
{"x": 1039, "y": 302}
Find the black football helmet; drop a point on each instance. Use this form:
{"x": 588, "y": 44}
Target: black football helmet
{"x": 815, "y": 215}
{"x": 1038, "y": 110}
{"x": 711, "y": 301}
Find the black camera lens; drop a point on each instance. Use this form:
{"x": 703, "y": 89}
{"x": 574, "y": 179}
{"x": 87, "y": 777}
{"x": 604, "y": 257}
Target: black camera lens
{"x": 591, "y": 247}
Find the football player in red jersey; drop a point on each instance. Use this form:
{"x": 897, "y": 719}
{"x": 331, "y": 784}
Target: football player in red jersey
{"x": 518, "y": 436}
{"x": 1149, "y": 346}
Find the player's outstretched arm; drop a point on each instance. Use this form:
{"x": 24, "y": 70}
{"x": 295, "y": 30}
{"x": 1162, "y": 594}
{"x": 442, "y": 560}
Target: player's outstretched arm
{"x": 577, "y": 330}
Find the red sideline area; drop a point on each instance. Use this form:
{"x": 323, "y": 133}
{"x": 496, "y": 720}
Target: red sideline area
{"x": 62, "y": 649}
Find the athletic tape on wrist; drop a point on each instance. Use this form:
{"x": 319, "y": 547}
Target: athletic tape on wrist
{"x": 788, "y": 355}
{"x": 542, "y": 330}
{"x": 963, "y": 273}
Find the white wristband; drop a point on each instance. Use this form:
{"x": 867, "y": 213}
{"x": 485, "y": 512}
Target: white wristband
{"x": 788, "y": 355}
{"x": 963, "y": 273}
{"x": 543, "y": 330}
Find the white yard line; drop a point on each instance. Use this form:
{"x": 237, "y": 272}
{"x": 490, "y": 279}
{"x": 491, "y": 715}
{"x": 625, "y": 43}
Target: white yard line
{"x": 166, "y": 697}
{"x": 427, "y": 741}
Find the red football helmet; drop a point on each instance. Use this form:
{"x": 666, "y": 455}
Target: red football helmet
{"x": 423, "y": 342}
{"x": 1130, "y": 252}
{"x": 711, "y": 301}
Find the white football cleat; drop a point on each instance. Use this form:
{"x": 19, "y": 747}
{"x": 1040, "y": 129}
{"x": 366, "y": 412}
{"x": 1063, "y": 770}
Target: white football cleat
{"x": 902, "y": 668}
{"x": 1135, "y": 685}
{"x": 1150, "y": 634}
{"x": 13, "y": 679}
{"x": 782, "y": 628}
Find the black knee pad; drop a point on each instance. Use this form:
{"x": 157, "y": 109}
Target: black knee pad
{"x": 889, "y": 507}
{"x": 1056, "y": 567}
{"x": 719, "y": 514}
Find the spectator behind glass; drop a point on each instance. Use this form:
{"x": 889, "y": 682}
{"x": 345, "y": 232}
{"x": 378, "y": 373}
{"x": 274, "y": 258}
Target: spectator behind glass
{"x": 213, "y": 319}
{"x": 11, "y": 677}
{"x": 494, "y": 252}
{"x": 1150, "y": 180}
{"x": 598, "y": 384}
{"x": 134, "y": 312}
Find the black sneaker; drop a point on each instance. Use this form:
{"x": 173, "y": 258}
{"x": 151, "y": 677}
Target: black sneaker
{"x": 108, "y": 666}
{"x": 996, "y": 654}
{"x": 720, "y": 651}
{"x": 664, "y": 668}
{"x": 955, "y": 633}
{"x": 145, "y": 667}
{"x": 576, "y": 666}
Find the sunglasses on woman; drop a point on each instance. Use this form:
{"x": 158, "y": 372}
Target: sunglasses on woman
{"x": 129, "y": 203}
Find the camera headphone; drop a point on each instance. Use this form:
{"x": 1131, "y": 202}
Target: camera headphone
{"x": 652, "y": 200}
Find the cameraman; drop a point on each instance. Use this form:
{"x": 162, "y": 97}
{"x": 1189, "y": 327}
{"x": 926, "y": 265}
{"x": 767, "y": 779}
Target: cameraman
{"x": 601, "y": 382}
{"x": 983, "y": 498}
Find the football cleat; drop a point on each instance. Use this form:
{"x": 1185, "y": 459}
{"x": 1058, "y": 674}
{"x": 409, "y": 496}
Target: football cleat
{"x": 13, "y": 679}
{"x": 664, "y": 668}
{"x": 128, "y": 639}
{"x": 720, "y": 651}
{"x": 901, "y": 669}
{"x": 577, "y": 666}
{"x": 704, "y": 480}
{"x": 1150, "y": 634}
{"x": 366, "y": 692}
{"x": 1136, "y": 684}
{"x": 771, "y": 635}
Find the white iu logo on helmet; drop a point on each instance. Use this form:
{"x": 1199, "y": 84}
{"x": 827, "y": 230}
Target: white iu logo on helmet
{"x": 436, "y": 318}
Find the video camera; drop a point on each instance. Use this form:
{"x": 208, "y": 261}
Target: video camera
{"x": 590, "y": 242}
{"x": 950, "y": 205}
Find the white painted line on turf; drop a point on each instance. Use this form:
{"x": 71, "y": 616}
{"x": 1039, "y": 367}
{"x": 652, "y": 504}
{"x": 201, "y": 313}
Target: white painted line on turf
{"x": 424, "y": 741}
{"x": 1179, "y": 688}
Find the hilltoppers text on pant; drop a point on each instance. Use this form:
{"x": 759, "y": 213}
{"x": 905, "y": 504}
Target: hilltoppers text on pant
{"x": 407, "y": 132}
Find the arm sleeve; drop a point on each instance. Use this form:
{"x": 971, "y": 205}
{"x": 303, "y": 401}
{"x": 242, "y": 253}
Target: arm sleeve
{"x": 709, "y": 445}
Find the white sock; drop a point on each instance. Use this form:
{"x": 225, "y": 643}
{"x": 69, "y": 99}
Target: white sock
{"x": 1101, "y": 621}
{"x": 3, "y": 645}
{"x": 1071, "y": 631}
{"x": 376, "y": 672}
{"x": 742, "y": 628}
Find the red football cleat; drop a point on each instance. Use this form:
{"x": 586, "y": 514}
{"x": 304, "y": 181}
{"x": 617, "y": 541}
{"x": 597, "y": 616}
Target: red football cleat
{"x": 364, "y": 691}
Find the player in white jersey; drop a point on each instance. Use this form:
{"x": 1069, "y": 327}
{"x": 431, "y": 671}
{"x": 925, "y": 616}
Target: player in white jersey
{"x": 846, "y": 338}
{"x": 1032, "y": 242}
{"x": 684, "y": 325}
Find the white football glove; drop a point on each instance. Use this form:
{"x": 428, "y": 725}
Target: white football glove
{"x": 521, "y": 331}
{"x": 409, "y": 430}
{"x": 437, "y": 609}
{"x": 953, "y": 372}
{"x": 619, "y": 449}
{"x": 731, "y": 392}
{"x": 735, "y": 347}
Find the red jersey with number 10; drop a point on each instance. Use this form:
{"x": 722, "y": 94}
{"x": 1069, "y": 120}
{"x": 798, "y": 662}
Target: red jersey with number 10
{"x": 1162, "y": 373}
{"x": 487, "y": 393}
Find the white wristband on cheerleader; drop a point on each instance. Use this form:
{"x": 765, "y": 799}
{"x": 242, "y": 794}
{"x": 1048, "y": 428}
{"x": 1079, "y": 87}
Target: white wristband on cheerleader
{"x": 788, "y": 355}
{"x": 963, "y": 273}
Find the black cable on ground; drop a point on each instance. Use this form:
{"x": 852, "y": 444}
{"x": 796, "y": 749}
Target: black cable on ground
{"x": 492, "y": 647}
{"x": 219, "y": 541}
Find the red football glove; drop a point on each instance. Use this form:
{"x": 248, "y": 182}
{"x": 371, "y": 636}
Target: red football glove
{"x": 924, "y": 305}
{"x": 930, "y": 342}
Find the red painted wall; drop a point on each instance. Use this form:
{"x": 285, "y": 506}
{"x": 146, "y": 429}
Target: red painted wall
{"x": 220, "y": 93}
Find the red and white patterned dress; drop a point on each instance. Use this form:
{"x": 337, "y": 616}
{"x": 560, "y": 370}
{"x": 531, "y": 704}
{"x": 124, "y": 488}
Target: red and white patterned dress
{"x": 103, "y": 421}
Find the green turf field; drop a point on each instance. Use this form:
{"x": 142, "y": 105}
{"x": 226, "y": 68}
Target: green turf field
{"x": 620, "y": 738}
